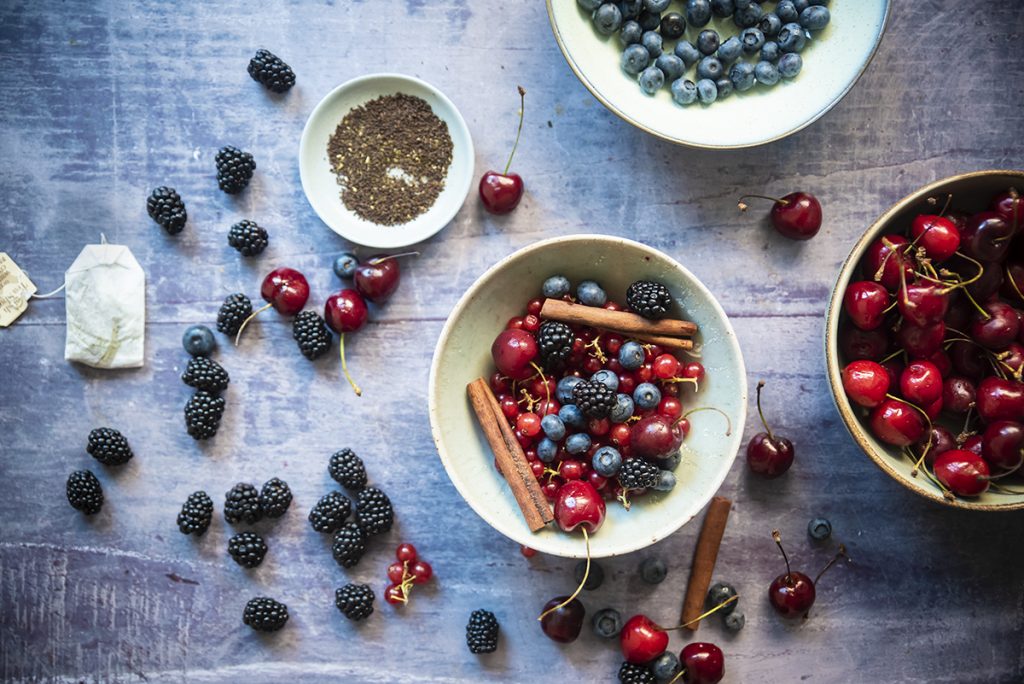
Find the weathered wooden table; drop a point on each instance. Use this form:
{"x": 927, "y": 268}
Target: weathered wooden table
{"x": 103, "y": 101}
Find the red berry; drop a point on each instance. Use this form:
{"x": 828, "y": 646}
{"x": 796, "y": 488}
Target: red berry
{"x": 693, "y": 370}
{"x": 866, "y": 383}
{"x": 939, "y": 237}
{"x": 571, "y": 470}
{"x": 421, "y": 572}
{"x": 396, "y": 572}
{"x": 406, "y": 553}
{"x": 665, "y": 366}
{"x": 670, "y": 407}
{"x": 527, "y": 551}
{"x": 963, "y": 472}
{"x": 528, "y": 424}
{"x": 531, "y": 323}
{"x": 514, "y": 323}
{"x": 394, "y": 595}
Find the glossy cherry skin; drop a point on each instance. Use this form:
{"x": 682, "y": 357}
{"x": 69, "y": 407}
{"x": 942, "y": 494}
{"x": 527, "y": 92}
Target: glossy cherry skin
{"x": 922, "y": 303}
{"x": 769, "y": 456}
{"x": 797, "y": 216}
{"x": 1008, "y": 204}
{"x": 942, "y": 440}
{"x": 1002, "y": 444}
{"x": 939, "y": 236}
{"x": 792, "y": 594}
{"x": 963, "y": 472}
{"x": 986, "y": 237}
{"x": 990, "y": 281}
{"x": 921, "y": 383}
{"x": 969, "y": 360}
{"x": 578, "y": 503}
{"x": 921, "y": 341}
{"x": 866, "y": 383}
{"x": 499, "y": 192}
{"x": 958, "y": 394}
{"x": 377, "y": 277}
{"x": 345, "y": 311}
{"x": 1011, "y": 359}
{"x": 959, "y": 312}
{"x": 999, "y": 399}
{"x": 564, "y": 624}
{"x": 703, "y": 663}
{"x": 513, "y": 351}
{"x": 656, "y": 437}
{"x": 864, "y": 344}
{"x": 641, "y": 640}
{"x": 999, "y": 329}
{"x": 865, "y": 302}
{"x": 286, "y": 289}
{"x": 877, "y": 260}
{"x": 897, "y": 423}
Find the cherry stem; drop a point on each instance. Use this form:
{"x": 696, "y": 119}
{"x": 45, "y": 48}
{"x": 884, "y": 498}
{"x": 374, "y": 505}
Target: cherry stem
{"x": 728, "y": 422}
{"x": 927, "y": 418}
{"x": 586, "y": 574}
{"x": 767, "y": 429}
{"x": 998, "y": 489}
{"x": 697, "y": 619}
{"x": 1010, "y": 471}
{"x": 382, "y": 259}
{"x": 344, "y": 366}
{"x": 522, "y": 111}
{"x": 1013, "y": 283}
{"x": 839, "y": 554}
{"x": 777, "y": 536}
{"x": 547, "y": 389}
{"x": 251, "y": 316}
{"x": 743, "y": 205}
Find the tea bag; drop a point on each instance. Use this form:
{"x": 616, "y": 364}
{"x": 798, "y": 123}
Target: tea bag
{"x": 105, "y": 298}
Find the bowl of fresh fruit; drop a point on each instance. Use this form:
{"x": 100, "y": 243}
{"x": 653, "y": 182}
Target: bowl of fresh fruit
{"x": 925, "y": 341}
{"x": 587, "y": 392}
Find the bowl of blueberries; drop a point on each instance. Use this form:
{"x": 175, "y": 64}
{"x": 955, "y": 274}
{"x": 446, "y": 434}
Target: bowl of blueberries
{"x": 718, "y": 74}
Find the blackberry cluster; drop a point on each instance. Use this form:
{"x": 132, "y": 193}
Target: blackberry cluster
{"x": 349, "y": 545}
{"x": 649, "y": 299}
{"x": 637, "y": 473}
{"x": 482, "y": 632}
{"x": 275, "y": 498}
{"x": 166, "y": 208}
{"x": 595, "y": 399}
{"x": 373, "y": 511}
{"x": 242, "y": 504}
{"x": 330, "y": 512}
{"x": 84, "y": 492}
{"x": 234, "y": 169}
{"x": 204, "y": 373}
{"x": 635, "y": 674}
{"x": 247, "y": 549}
{"x": 196, "y": 514}
{"x": 233, "y": 312}
{"x": 554, "y": 343}
{"x": 248, "y": 238}
{"x": 348, "y": 470}
{"x": 311, "y": 334}
{"x": 268, "y": 69}
{"x": 109, "y": 447}
{"x": 265, "y": 614}
{"x": 355, "y": 601}
{"x": 202, "y": 415}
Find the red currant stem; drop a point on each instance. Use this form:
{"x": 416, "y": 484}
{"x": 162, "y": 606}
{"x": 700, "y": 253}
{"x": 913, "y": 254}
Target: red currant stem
{"x": 767, "y": 429}
{"x": 696, "y": 386}
{"x": 586, "y": 574}
{"x": 248, "y": 318}
{"x": 547, "y": 390}
{"x": 697, "y": 619}
{"x": 743, "y": 205}
{"x": 728, "y": 422}
{"x": 382, "y": 259}
{"x": 522, "y": 112}
{"x": 839, "y": 554}
{"x": 344, "y": 366}
{"x": 623, "y": 498}
{"x": 777, "y": 536}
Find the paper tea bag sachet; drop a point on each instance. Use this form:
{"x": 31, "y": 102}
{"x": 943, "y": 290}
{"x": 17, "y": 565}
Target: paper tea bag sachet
{"x": 105, "y": 296}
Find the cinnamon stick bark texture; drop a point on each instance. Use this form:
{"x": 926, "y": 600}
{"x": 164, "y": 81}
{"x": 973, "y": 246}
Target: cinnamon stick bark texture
{"x": 509, "y": 454}
{"x": 618, "y": 321}
{"x": 662, "y": 341}
{"x": 704, "y": 558}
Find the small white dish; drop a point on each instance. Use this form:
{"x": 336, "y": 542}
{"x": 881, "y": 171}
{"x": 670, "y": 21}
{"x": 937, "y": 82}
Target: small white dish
{"x": 463, "y": 354}
{"x": 321, "y": 185}
{"x": 833, "y": 61}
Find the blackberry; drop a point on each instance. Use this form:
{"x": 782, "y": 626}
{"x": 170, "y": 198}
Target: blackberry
{"x": 234, "y": 169}
{"x": 330, "y": 512}
{"x": 196, "y": 514}
{"x": 554, "y": 341}
{"x": 204, "y": 373}
{"x": 268, "y": 69}
{"x": 482, "y": 632}
{"x": 348, "y": 470}
{"x": 311, "y": 333}
{"x": 349, "y": 545}
{"x": 233, "y": 312}
{"x": 248, "y": 238}
{"x": 355, "y": 601}
{"x": 374, "y": 512}
{"x": 275, "y": 498}
{"x": 242, "y": 504}
{"x": 202, "y": 415}
{"x": 595, "y": 399}
{"x": 635, "y": 674}
{"x": 649, "y": 299}
{"x": 247, "y": 549}
{"x": 636, "y": 473}
{"x": 166, "y": 208}
{"x": 84, "y": 492}
{"x": 264, "y": 614}
{"x": 109, "y": 447}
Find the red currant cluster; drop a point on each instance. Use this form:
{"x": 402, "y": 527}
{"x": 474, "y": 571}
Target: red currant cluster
{"x": 404, "y": 573}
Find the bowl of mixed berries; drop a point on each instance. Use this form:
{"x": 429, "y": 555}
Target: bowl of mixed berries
{"x": 587, "y": 384}
{"x": 925, "y": 341}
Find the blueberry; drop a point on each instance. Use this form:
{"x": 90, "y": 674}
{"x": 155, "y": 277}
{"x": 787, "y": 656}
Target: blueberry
{"x": 553, "y": 427}
{"x": 572, "y": 416}
{"x": 698, "y": 12}
{"x": 594, "y": 579}
{"x": 630, "y": 33}
{"x": 787, "y": 12}
{"x": 635, "y": 59}
{"x": 556, "y": 287}
{"x": 630, "y": 9}
{"x": 723, "y": 8}
{"x": 801, "y": 5}
{"x": 729, "y": 51}
{"x": 812, "y": 3}
{"x": 546, "y": 450}
{"x": 198, "y": 340}
{"x": 563, "y": 390}
{"x": 734, "y": 621}
{"x": 607, "y": 378}
{"x": 653, "y": 571}
{"x": 665, "y": 667}
{"x": 671, "y": 66}
{"x": 606, "y": 623}
{"x": 742, "y": 76}
{"x": 607, "y": 19}
{"x": 589, "y": 5}
{"x": 649, "y": 21}
{"x": 770, "y": 24}
{"x": 752, "y": 39}
{"x": 345, "y": 265}
{"x": 725, "y": 87}
{"x": 578, "y": 443}
{"x": 656, "y": 5}
{"x": 647, "y": 395}
{"x": 651, "y": 80}
{"x": 766, "y": 73}
{"x": 606, "y": 461}
{"x": 748, "y": 16}
{"x": 688, "y": 52}
{"x": 742, "y": 4}
{"x": 719, "y": 593}
{"x": 707, "y": 91}
{"x": 672, "y": 462}
{"x": 666, "y": 481}
{"x": 652, "y": 41}
{"x": 673, "y": 26}
{"x": 631, "y": 356}
{"x": 710, "y": 68}
{"x": 770, "y": 52}
{"x": 820, "y": 529}
{"x": 792, "y": 38}
{"x": 684, "y": 91}
{"x": 708, "y": 42}
{"x": 623, "y": 409}
{"x": 790, "y": 65}
{"x": 590, "y": 293}
{"x": 815, "y": 18}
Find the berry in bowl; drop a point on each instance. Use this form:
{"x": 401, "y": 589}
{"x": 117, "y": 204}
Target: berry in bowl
{"x": 604, "y": 383}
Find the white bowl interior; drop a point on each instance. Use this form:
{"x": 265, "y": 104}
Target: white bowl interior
{"x": 321, "y": 185}
{"x": 833, "y": 60}
{"x": 463, "y": 354}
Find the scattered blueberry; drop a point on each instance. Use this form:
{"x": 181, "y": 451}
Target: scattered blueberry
{"x": 623, "y": 408}
{"x": 766, "y": 73}
{"x": 647, "y": 395}
{"x": 670, "y": 65}
{"x": 698, "y": 12}
{"x": 684, "y": 91}
{"x": 719, "y": 593}
{"x": 656, "y": 5}
{"x": 630, "y": 33}
{"x": 770, "y": 51}
{"x": 563, "y": 390}
{"x": 607, "y": 19}
{"x": 666, "y": 481}
{"x": 572, "y": 416}
{"x": 607, "y": 378}
{"x": 708, "y": 42}
{"x": 653, "y": 571}
{"x": 787, "y": 12}
{"x": 673, "y": 26}
{"x": 594, "y": 579}
{"x": 606, "y": 622}
{"x": 665, "y": 667}
{"x": 707, "y": 91}
{"x": 651, "y": 40}
{"x": 820, "y": 529}
{"x": 590, "y": 293}
{"x": 556, "y": 287}
{"x": 770, "y": 24}
{"x": 723, "y": 8}
{"x": 651, "y": 80}
{"x": 345, "y": 265}
{"x": 688, "y": 52}
{"x": 742, "y": 76}
{"x": 748, "y": 16}
{"x": 710, "y": 68}
{"x": 815, "y": 18}
{"x": 198, "y": 340}
{"x": 734, "y": 621}
{"x": 578, "y": 443}
{"x": 752, "y": 39}
{"x": 606, "y": 461}
{"x": 546, "y": 450}
{"x": 649, "y": 21}
{"x": 553, "y": 427}
{"x": 730, "y": 50}
{"x": 792, "y": 38}
{"x": 790, "y": 65}
{"x": 631, "y": 356}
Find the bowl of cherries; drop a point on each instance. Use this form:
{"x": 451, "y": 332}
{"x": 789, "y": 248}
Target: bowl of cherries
{"x": 610, "y": 379}
{"x": 925, "y": 341}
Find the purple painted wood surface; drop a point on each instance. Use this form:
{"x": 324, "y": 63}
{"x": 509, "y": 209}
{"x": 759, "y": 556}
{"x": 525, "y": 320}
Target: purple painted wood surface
{"x": 103, "y": 101}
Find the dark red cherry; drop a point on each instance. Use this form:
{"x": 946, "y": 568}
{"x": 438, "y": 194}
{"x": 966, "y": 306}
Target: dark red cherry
{"x": 921, "y": 341}
{"x": 768, "y": 455}
{"x": 958, "y": 394}
{"x": 500, "y": 192}
{"x": 513, "y": 352}
{"x": 656, "y": 437}
{"x": 1011, "y": 359}
{"x": 969, "y": 360}
{"x": 959, "y": 312}
{"x": 894, "y": 368}
{"x": 999, "y": 399}
{"x": 972, "y": 444}
{"x": 865, "y": 303}
{"x": 641, "y": 640}
{"x": 1008, "y": 205}
{"x": 939, "y": 236}
{"x": 866, "y": 383}
{"x": 1002, "y": 444}
{"x": 884, "y": 259}
{"x": 345, "y": 311}
{"x": 942, "y": 362}
{"x": 963, "y": 472}
{"x": 897, "y": 423}
{"x": 563, "y": 625}
{"x": 1000, "y": 327}
{"x": 578, "y": 503}
{"x": 942, "y": 440}
{"x": 702, "y": 663}
{"x": 377, "y": 277}
{"x": 921, "y": 383}
{"x": 286, "y": 290}
{"x": 986, "y": 236}
{"x": 988, "y": 283}
{"x": 1013, "y": 282}
{"x": 797, "y": 216}
{"x": 864, "y": 344}
{"x": 922, "y": 303}
{"x": 792, "y": 594}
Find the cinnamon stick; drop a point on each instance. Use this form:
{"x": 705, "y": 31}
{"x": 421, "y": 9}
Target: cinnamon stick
{"x": 666, "y": 342}
{"x": 704, "y": 558}
{"x": 618, "y": 321}
{"x": 509, "y": 455}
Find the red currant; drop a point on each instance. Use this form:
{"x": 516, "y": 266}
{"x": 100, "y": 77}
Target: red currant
{"x": 613, "y": 343}
{"x": 644, "y": 373}
{"x": 406, "y": 553}
{"x": 394, "y": 594}
{"x": 531, "y": 323}
{"x": 421, "y": 572}
{"x": 596, "y": 480}
{"x": 548, "y": 407}
{"x": 598, "y": 427}
{"x": 524, "y": 440}
{"x": 537, "y": 468}
{"x": 571, "y": 470}
{"x": 534, "y": 306}
{"x": 499, "y": 384}
{"x": 591, "y": 365}
{"x": 670, "y": 407}
{"x": 612, "y": 306}
{"x": 509, "y": 407}
{"x": 665, "y": 366}
{"x": 551, "y": 489}
{"x": 692, "y": 370}
{"x": 528, "y": 424}
{"x": 626, "y": 383}
{"x": 396, "y": 572}
{"x": 527, "y": 551}
{"x": 514, "y": 323}
{"x": 619, "y": 434}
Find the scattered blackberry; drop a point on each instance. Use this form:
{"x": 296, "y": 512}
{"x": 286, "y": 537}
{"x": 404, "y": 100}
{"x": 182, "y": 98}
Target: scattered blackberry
{"x": 310, "y": 331}
{"x": 482, "y": 632}
{"x": 234, "y": 169}
{"x": 635, "y": 674}
{"x": 265, "y": 614}
{"x": 373, "y": 510}
{"x": 248, "y": 238}
{"x": 84, "y": 492}
{"x": 637, "y": 473}
{"x": 233, "y": 312}
{"x": 355, "y": 601}
{"x": 349, "y": 545}
{"x": 109, "y": 447}
{"x": 595, "y": 399}
{"x": 196, "y": 514}
{"x": 330, "y": 512}
{"x": 205, "y": 374}
{"x": 275, "y": 498}
{"x": 348, "y": 470}
{"x": 554, "y": 341}
{"x": 247, "y": 549}
{"x": 649, "y": 299}
{"x": 202, "y": 414}
{"x": 166, "y": 208}
{"x": 268, "y": 69}
{"x": 242, "y": 504}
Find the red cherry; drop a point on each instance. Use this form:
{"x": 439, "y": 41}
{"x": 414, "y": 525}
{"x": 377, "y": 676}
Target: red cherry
{"x": 1008, "y": 205}
{"x": 501, "y": 192}
{"x": 1002, "y": 444}
{"x": 942, "y": 440}
{"x": 768, "y": 455}
{"x": 921, "y": 383}
{"x": 921, "y": 341}
{"x": 792, "y": 594}
{"x": 796, "y": 216}
{"x": 963, "y": 472}
{"x": 969, "y": 360}
{"x": 998, "y": 328}
{"x": 421, "y": 572}
{"x": 345, "y": 311}
{"x": 922, "y": 303}
{"x": 656, "y": 437}
{"x": 865, "y": 303}
{"x": 939, "y": 236}
{"x": 972, "y": 444}
{"x": 866, "y": 383}
{"x": 377, "y": 278}
{"x": 887, "y": 256}
{"x": 864, "y": 344}
{"x": 641, "y": 640}
{"x": 286, "y": 290}
{"x": 578, "y": 503}
{"x": 897, "y": 423}
{"x": 958, "y": 394}
{"x": 563, "y": 625}
{"x": 513, "y": 351}
{"x": 999, "y": 399}
{"x": 703, "y": 663}
{"x": 986, "y": 237}
{"x": 405, "y": 553}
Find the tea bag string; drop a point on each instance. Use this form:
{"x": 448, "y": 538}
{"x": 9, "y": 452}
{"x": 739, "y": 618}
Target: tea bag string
{"x": 44, "y": 296}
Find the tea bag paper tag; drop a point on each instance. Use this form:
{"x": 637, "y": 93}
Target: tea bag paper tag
{"x": 15, "y": 289}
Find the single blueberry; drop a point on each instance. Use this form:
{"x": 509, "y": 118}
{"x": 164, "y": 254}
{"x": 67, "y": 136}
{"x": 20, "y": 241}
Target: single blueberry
{"x": 631, "y": 356}
{"x": 672, "y": 462}
{"x": 710, "y": 68}
{"x": 607, "y": 19}
{"x": 345, "y": 265}
{"x": 572, "y": 416}
{"x": 671, "y": 66}
{"x": 630, "y": 33}
{"x": 589, "y": 5}
{"x": 656, "y": 5}
{"x": 734, "y": 621}
{"x": 578, "y": 443}
{"x": 742, "y": 4}
{"x": 546, "y": 450}
{"x": 647, "y": 395}
{"x": 653, "y": 570}
{"x": 673, "y": 26}
{"x": 742, "y": 76}
{"x": 719, "y": 593}
{"x": 606, "y": 622}
{"x": 787, "y": 12}
{"x": 607, "y": 378}
{"x": 801, "y": 5}
{"x": 665, "y": 667}
{"x": 725, "y": 87}
{"x": 708, "y": 42}
{"x": 666, "y": 481}
{"x": 553, "y": 427}
{"x": 684, "y": 91}
{"x": 563, "y": 390}
{"x": 752, "y": 39}
{"x": 707, "y": 91}
{"x": 748, "y": 16}
{"x": 792, "y": 38}
{"x": 770, "y": 52}
{"x": 723, "y": 8}
{"x": 594, "y": 578}
{"x": 590, "y": 293}
{"x": 606, "y": 461}
{"x": 652, "y": 41}
{"x": 790, "y": 65}
{"x": 649, "y": 21}
{"x": 635, "y": 59}
{"x": 688, "y": 52}
{"x": 770, "y": 24}
{"x": 820, "y": 529}
{"x": 651, "y": 80}
{"x": 623, "y": 409}
{"x": 766, "y": 73}
{"x": 698, "y": 12}
{"x": 556, "y": 287}
{"x": 198, "y": 340}
{"x": 817, "y": 2}
{"x": 815, "y": 18}
{"x": 630, "y": 9}
{"x": 729, "y": 51}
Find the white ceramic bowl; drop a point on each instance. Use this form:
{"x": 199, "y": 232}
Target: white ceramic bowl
{"x": 321, "y": 185}
{"x": 463, "y": 354}
{"x": 833, "y": 61}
